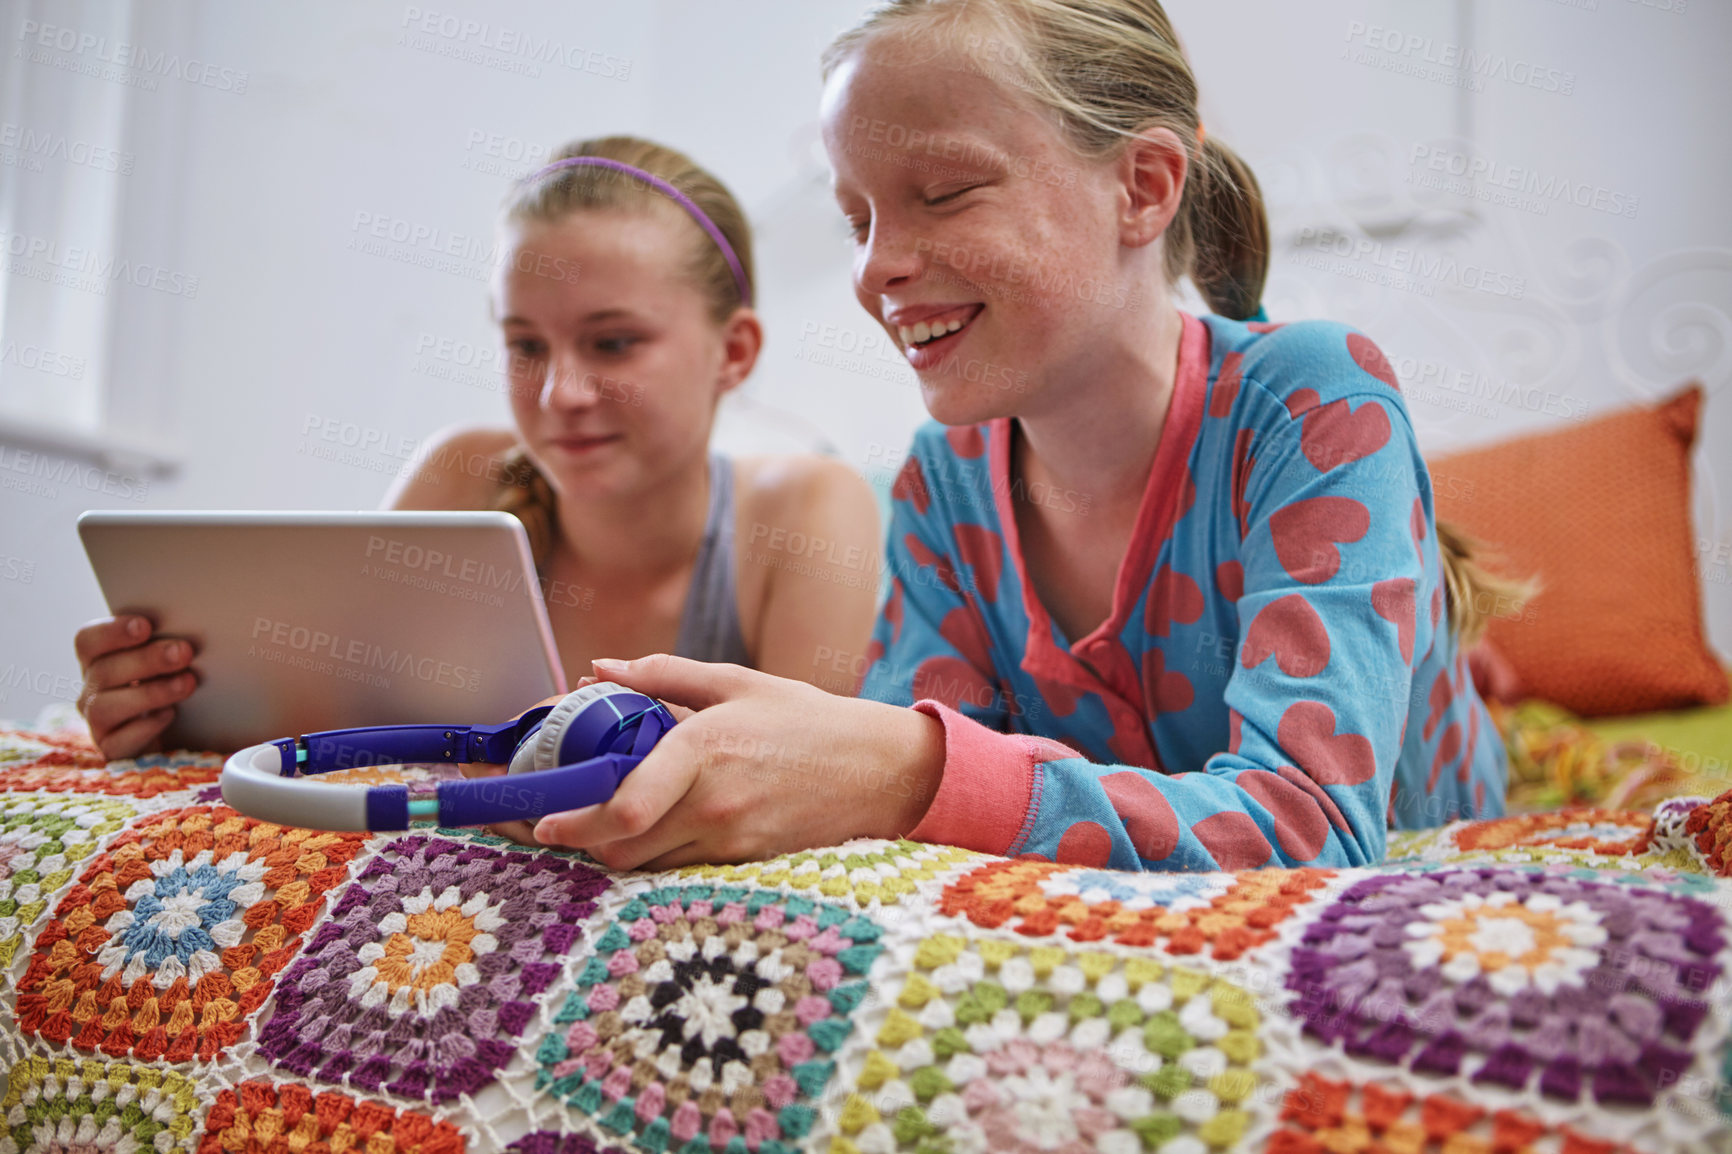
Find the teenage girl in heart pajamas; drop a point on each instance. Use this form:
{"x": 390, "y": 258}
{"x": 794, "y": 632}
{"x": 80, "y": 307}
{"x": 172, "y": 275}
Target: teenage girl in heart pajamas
{"x": 1165, "y": 591}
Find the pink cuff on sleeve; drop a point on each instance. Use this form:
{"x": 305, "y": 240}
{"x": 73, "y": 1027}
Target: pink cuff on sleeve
{"x": 987, "y": 789}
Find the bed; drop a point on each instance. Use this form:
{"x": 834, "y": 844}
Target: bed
{"x": 175, "y": 976}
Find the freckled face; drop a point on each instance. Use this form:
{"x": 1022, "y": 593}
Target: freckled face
{"x": 612, "y": 357}
{"x": 983, "y": 244}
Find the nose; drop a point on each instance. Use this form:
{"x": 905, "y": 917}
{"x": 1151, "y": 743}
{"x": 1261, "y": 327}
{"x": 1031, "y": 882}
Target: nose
{"x": 891, "y": 257}
{"x": 567, "y": 386}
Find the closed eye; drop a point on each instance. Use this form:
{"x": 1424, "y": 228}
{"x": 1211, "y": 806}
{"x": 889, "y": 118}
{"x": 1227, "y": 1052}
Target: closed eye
{"x": 934, "y": 201}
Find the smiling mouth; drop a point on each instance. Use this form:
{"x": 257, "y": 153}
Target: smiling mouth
{"x": 580, "y": 443}
{"x": 923, "y": 333}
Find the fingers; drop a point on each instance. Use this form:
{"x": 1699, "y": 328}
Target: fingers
{"x": 160, "y": 658}
{"x": 692, "y": 853}
{"x": 679, "y": 680}
{"x": 521, "y": 832}
{"x": 106, "y": 634}
{"x": 130, "y": 682}
{"x": 109, "y": 710}
{"x": 134, "y": 737}
{"x": 628, "y": 829}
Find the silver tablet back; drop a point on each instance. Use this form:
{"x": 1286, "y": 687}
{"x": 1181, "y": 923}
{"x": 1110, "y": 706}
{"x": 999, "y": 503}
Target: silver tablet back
{"x": 304, "y": 621}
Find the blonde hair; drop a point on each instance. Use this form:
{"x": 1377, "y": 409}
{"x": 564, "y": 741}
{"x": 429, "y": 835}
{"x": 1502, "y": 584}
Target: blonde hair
{"x": 567, "y": 190}
{"x": 1107, "y": 71}
{"x": 1474, "y": 594}
{"x": 526, "y": 493}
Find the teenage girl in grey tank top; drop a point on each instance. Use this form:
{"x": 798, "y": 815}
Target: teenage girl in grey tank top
{"x": 624, "y": 302}
{"x": 751, "y": 606}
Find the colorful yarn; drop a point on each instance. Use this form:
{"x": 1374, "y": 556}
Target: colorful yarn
{"x": 62, "y": 1104}
{"x": 174, "y": 933}
{"x": 1610, "y": 841}
{"x": 428, "y": 971}
{"x": 260, "y": 1118}
{"x": 1409, "y": 845}
{"x": 42, "y": 838}
{"x": 1556, "y": 762}
{"x": 1186, "y": 913}
{"x": 23, "y": 747}
{"x": 994, "y": 1045}
{"x": 76, "y": 772}
{"x": 869, "y": 872}
{"x": 1317, "y": 1119}
{"x": 547, "y": 1142}
{"x": 1709, "y": 829}
{"x": 708, "y": 1018}
{"x": 1539, "y": 984}
{"x": 1597, "y": 831}
{"x": 1516, "y": 978}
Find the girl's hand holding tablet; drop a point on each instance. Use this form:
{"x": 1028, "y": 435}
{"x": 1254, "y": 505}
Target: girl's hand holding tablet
{"x": 131, "y": 683}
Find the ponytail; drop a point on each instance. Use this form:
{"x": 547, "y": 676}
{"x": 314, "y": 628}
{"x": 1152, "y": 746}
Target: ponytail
{"x": 1229, "y": 233}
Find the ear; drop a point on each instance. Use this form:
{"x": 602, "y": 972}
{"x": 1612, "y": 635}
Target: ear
{"x": 1152, "y": 171}
{"x": 742, "y": 340}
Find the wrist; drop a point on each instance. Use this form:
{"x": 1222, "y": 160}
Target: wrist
{"x": 915, "y": 746}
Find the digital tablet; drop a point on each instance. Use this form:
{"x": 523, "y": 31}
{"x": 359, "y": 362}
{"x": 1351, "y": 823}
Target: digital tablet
{"x": 305, "y": 621}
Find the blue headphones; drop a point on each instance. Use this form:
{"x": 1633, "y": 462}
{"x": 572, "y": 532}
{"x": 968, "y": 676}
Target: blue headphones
{"x": 561, "y": 757}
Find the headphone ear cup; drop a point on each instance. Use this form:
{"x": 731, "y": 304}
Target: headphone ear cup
{"x": 540, "y": 750}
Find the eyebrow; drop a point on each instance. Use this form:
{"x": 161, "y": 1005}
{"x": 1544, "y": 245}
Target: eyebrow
{"x": 977, "y": 154}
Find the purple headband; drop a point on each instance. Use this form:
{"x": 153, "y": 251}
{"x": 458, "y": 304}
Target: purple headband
{"x": 672, "y": 193}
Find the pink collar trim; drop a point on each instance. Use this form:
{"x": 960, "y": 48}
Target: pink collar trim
{"x": 1155, "y": 516}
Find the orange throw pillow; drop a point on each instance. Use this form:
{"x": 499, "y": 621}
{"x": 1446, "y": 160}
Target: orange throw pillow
{"x": 1600, "y": 512}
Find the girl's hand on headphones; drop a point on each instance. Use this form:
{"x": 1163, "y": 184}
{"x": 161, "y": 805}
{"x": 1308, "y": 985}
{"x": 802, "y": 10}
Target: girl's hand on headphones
{"x": 131, "y": 683}
{"x": 763, "y": 765}
{"x": 523, "y": 831}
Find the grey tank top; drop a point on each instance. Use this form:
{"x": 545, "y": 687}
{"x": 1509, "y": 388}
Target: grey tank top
{"x": 710, "y": 623}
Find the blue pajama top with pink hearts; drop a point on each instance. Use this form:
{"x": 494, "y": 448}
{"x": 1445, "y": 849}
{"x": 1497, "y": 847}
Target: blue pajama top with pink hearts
{"x": 1277, "y": 683}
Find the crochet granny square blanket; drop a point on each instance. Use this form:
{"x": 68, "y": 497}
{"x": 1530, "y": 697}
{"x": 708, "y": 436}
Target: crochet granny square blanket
{"x": 176, "y": 976}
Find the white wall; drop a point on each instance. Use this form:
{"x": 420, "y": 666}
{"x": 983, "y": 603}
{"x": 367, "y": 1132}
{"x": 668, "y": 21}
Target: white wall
{"x": 258, "y": 193}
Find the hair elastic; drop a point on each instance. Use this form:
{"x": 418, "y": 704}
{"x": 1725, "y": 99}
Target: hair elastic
{"x": 668, "y": 190}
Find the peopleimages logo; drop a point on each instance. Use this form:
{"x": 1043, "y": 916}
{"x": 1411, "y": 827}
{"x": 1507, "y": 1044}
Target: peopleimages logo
{"x": 1403, "y": 262}
{"x": 1429, "y": 58}
{"x": 1479, "y": 177}
{"x": 462, "y": 577}
{"x": 495, "y": 154}
{"x": 72, "y": 266}
{"x": 38, "y": 473}
{"x": 55, "y": 364}
{"x": 42, "y": 145}
{"x": 967, "y": 155}
{"x": 97, "y": 50}
{"x": 42, "y": 682}
{"x": 351, "y": 658}
{"x": 468, "y": 39}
